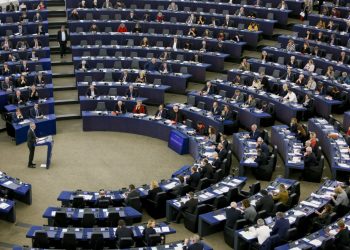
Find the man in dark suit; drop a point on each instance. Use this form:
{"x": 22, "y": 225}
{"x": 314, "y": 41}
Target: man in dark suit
{"x": 120, "y": 108}
{"x": 123, "y": 231}
{"x": 152, "y": 65}
{"x": 193, "y": 243}
{"x": 31, "y": 140}
{"x": 161, "y": 112}
{"x": 194, "y": 178}
{"x": 263, "y": 146}
{"x": 215, "y": 110}
{"x": 131, "y": 92}
{"x": 35, "y": 112}
{"x": 176, "y": 191}
{"x": 254, "y": 134}
{"x": 62, "y": 38}
{"x": 132, "y": 193}
{"x": 222, "y": 152}
{"x": 232, "y": 215}
{"x": 289, "y": 75}
{"x": 175, "y": 115}
{"x": 208, "y": 89}
{"x": 265, "y": 202}
{"x": 281, "y": 226}
{"x": 309, "y": 158}
{"x": 18, "y": 98}
{"x": 206, "y": 169}
{"x": 165, "y": 68}
{"x": 189, "y": 206}
{"x": 341, "y": 239}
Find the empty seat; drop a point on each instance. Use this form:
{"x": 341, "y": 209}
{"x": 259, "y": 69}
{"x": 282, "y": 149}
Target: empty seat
{"x": 135, "y": 64}
{"x": 133, "y": 54}
{"x": 101, "y": 106}
{"x": 114, "y": 42}
{"x": 108, "y": 77}
{"x": 39, "y": 68}
{"x": 150, "y": 55}
{"x": 166, "y": 32}
{"x": 276, "y": 73}
{"x": 117, "y": 17}
{"x": 105, "y": 17}
{"x": 151, "y": 30}
{"x": 83, "y": 42}
{"x": 69, "y": 241}
{"x": 112, "y": 92}
{"x": 240, "y": 26}
{"x": 85, "y": 79}
{"x": 79, "y": 29}
{"x": 118, "y": 54}
{"x": 89, "y": 16}
{"x": 222, "y": 92}
{"x": 100, "y": 65}
{"x": 159, "y": 44}
{"x": 41, "y": 240}
{"x": 157, "y": 81}
{"x": 86, "y": 53}
{"x": 183, "y": 70}
{"x": 103, "y": 52}
{"x": 130, "y": 42}
{"x": 201, "y": 105}
{"x": 173, "y": 19}
{"x": 118, "y": 65}
{"x": 98, "y": 42}
{"x": 270, "y": 16}
{"x": 191, "y": 100}
{"x": 108, "y": 29}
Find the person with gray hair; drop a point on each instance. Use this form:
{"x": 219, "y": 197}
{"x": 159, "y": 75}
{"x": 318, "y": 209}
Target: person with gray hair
{"x": 232, "y": 215}
{"x": 193, "y": 243}
{"x": 281, "y": 226}
{"x": 262, "y": 232}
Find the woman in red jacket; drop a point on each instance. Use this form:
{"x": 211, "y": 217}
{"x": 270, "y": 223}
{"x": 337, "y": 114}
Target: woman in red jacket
{"x": 122, "y": 28}
{"x": 139, "y": 108}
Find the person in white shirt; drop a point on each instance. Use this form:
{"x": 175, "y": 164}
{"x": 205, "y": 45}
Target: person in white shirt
{"x": 262, "y": 232}
{"x": 174, "y": 45}
{"x": 173, "y": 6}
{"x": 290, "y": 97}
{"x": 311, "y": 83}
{"x": 191, "y": 19}
{"x": 310, "y": 66}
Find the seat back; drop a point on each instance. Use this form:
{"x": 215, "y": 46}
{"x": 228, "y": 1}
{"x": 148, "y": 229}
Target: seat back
{"x": 270, "y": 16}
{"x": 69, "y": 241}
{"x": 101, "y": 106}
{"x": 183, "y": 70}
{"x": 159, "y": 44}
{"x": 255, "y": 188}
{"x": 112, "y": 92}
{"x": 125, "y": 242}
{"x": 222, "y": 92}
{"x": 118, "y": 63}
{"x": 173, "y": 19}
{"x": 241, "y": 26}
{"x": 103, "y": 52}
{"x": 108, "y": 77}
{"x": 220, "y": 202}
{"x": 96, "y": 241}
{"x": 154, "y": 240}
{"x": 135, "y": 203}
{"x": 157, "y": 81}
{"x": 60, "y": 219}
{"x": 191, "y": 100}
{"x": 41, "y": 240}
{"x": 201, "y": 105}
{"x": 203, "y": 184}
{"x": 113, "y": 218}
{"x": 180, "y": 57}
{"x": 78, "y": 202}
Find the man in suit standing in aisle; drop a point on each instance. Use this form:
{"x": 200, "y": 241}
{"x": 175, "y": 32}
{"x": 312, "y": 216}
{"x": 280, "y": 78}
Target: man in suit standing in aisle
{"x": 62, "y": 38}
{"x": 31, "y": 140}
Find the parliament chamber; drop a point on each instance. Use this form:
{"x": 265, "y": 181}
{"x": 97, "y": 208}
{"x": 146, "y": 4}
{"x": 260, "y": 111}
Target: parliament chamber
{"x": 172, "y": 124}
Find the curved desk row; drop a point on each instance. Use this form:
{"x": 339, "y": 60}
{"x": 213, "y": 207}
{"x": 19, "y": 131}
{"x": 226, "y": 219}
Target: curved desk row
{"x": 176, "y": 81}
{"x": 302, "y": 28}
{"x": 315, "y": 240}
{"x": 322, "y": 63}
{"x": 196, "y": 70}
{"x": 234, "y": 49}
{"x": 45, "y": 64}
{"x": 288, "y": 147}
{"x": 280, "y": 16}
{"x": 75, "y": 215}
{"x": 346, "y": 121}
{"x": 205, "y": 196}
{"x": 215, "y": 60}
{"x": 28, "y": 28}
{"x": 7, "y": 210}
{"x": 31, "y": 76}
{"x": 14, "y": 39}
{"x": 335, "y": 150}
{"x": 16, "y": 189}
{"x": 315, "y": 18}
{"x": 90, "y": 104}
{"x": 307, "y": 208}
{"x": 323, "y": 105}
{"x": 284, "y": 111}
{"x": 43, "y": 52}
{"x": 245, "y": 150}
{"x": 213, "y": 222}
{"x": 153, "y": 92}
{"x": 246, "y": 116}
{"x": 17, "y": 14}
{"x": 46, "y": 107}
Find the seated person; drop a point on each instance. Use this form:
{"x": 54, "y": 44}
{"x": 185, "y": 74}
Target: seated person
{"x": 74, "y": 15}
{"x": 265, "y": 202}
{"x": 165, "y": 68}
{"x": 122, "y": 28}
{"x": 144, "y": 42}
{"x": 208, "y": 89}
{"x": 131, "y": 93}
{"x": 94, "y": 28}
{"x": 173, "y": 6}
{"x": 189, "y": 206}
{"x": 22, "y": 81}
{"x": 245, "y": 66}
{"x": 215, "y": 109}
{"x": 257, "y": 84}
{"x": 161, "y": 112}
{"x": 264, "y": 57}
{"x": 152, "y": 65}
{"x": 282, "y": 195}
{"x": 232, "y": 215}
{"x": 206, "y": 169}
{"x": 36, "y": 43}
{"x": 344, "y": 78}
{"x": 141, "y": 77}
{"x": 250, "y": 102}
{"x": 160, "y": 17}
{"x": 7, "y": 84}
{"x": 153, "y": 190}
{"x": 18, "y": 98}
{"x": 35, "y": 112}
{"x": 120, "y": 108}
{"x": 290, "y": 97}
{"x": 107, "y": 4}
{"x": 238, "y": 96}
{"x": 194, "y": 178}
{"x": 33, "y": 94}
{"x": 17, "y": 116}
{"x": 139, "y": 108}
{"x": 132, "y": 193}
{"x": 226, "y": 113}
{"x": 300, "y": 81}
{"x": 249, "y": 212}
{"x": 122, "y": 231}
{"x": 149, "y": 230}
{"x": 260, "y": 144}
{"x": 175, "y": 115}
{"x": 222, "y": 152}
{"x": 281, "y": 226}
{"x": 323, "y": 217}
{"x": 83, "y": 65}
{"x": 340, "y": 197}
{"x": 124, "y": 76}
{"x": 92, "y": 91}
{"x": 193, "y": 243}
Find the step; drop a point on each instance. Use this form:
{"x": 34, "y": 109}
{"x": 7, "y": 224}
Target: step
{"x": 65, "y": 88}
{"x": 57, "y": 13}
{"x": 64, "y": 102}
{"x": 64, "y": 81}
{"x": 67, "y": 117}
{"x": 56, "y": 57}
{"x": 56, "y": 50}
{"x": 66, "y": 69}
{"x": 59, "y": 63}
{"x": 55, "y": 3}
{"x": 56, "y": 25}
{"x": 60, "y": 75}
{"x": 66, "y": 95}
{"x": 56, "y": 8}
{"x": 67, "y": 109}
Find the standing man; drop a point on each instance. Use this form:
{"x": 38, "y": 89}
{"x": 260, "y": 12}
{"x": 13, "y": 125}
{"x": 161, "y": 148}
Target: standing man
{"x": 31, "y": 139}
{"x": 62, "y": 38}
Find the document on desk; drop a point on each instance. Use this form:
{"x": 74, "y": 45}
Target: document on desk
{"x": 158, "y": 230}
{"x": 4, "y": 205}
{"x": 220, "y": 217}
{"x": 170, "y": 185}
{"x": 165, "y": 229}
{"x": 310, "y": 204}
{"x": 316, "y": 243}
{"x": 247, "y": 235}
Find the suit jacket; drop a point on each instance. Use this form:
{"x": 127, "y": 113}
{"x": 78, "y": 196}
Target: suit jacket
{"x": 207, "y": 171}
{"x": 15, "y": 119}
{"x": 172, "y": 116}
{"x": 216, "y": 111}
{"x": 341, "y": 239}
{"x": 133, "y": 194}
{"x": 190, "y": 205}
{"x": 281, "y": 228}
{"x": 123, "y": 232}
{"x": 121, "y": 109}
{"x": 254, "y": 136}
{"x": 152, "y": 193}
{"x": 88, "y": 92}
{"x": 232, "y": 215}
{"x": 31, "y": 138}
{"x": 265, "y": 149}
{"x": 310, "y": 161}
{"x": 227, "y": 116}
{"x": 151, "y": 66}
{"x": 133, "y": 94}
{"x": 239, "y": 98}
{"x": 222, "y": 154}
{"x": 163, "y": 113}
{"x": 16, "y": 100}
{"x": 194, "y": 179}
{"x": 287, "y": 77}
{"x": 141, "y": 110}
{"x": 147, "y": 232}
{"x": 59, "y": 36}
{"x": 216, "y": 163}
{"x": 265, "y": 203}
{"x": 195, "y": 246}
{"x": 211, "y": 91}
{"x": 33, "y": 113}
{"x": 35, "y": 96}
{"x": 37, "y": 81}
